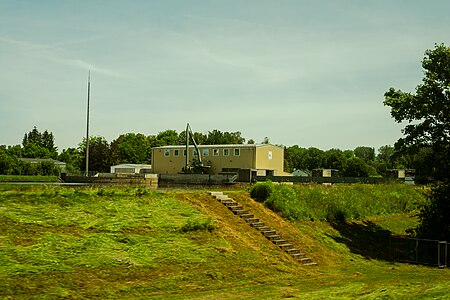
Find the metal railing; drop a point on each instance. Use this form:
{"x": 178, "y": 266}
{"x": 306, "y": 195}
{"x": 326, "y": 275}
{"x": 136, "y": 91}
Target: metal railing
{"x": 419, "y": 251}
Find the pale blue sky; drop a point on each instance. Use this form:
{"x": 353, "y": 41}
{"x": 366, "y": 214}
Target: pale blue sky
{"x": 307, "y": 73}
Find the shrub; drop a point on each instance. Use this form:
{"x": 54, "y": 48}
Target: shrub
{"x": 194, "y": 224}
{"x": 261, "y": 191}
{"x": 434, "y": 220}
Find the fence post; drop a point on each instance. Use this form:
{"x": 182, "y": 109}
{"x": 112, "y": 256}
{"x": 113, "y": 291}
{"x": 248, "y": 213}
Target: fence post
{"x": 417, "y": 250}
{"x": 443, "y": 244}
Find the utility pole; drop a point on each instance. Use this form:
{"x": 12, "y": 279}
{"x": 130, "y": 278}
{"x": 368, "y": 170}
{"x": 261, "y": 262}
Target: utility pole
{"x": 87, "y": 124}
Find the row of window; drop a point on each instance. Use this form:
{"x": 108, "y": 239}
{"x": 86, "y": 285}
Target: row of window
{"x": 205, "y": 152}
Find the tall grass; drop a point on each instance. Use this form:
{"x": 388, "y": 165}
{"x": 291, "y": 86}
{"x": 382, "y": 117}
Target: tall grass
{"x": 338, "y": 202}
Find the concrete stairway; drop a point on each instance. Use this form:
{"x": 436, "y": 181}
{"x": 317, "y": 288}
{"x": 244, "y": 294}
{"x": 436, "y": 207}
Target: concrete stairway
{"x": 265, "y": 230}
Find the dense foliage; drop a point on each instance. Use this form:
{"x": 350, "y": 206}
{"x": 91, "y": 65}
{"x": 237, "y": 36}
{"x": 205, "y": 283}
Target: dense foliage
{"x": 427, "y": 113}
{"x": 337, "y": 202}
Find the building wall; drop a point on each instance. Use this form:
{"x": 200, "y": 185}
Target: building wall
{"x": 270, "y": 157}
{"x": 166, "y": 161}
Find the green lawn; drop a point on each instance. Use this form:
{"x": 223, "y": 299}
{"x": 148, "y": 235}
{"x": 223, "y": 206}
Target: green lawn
{"x": 77, "y": 243}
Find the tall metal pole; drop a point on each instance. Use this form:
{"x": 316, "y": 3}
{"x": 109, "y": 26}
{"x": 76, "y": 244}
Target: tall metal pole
{"x": 87, "y": 123}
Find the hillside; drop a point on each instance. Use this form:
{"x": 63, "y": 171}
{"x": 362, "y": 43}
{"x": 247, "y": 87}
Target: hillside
{"x": 132, "y": 243}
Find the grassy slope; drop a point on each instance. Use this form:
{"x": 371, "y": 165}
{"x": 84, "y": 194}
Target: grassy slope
{"x": 63, "y": 243}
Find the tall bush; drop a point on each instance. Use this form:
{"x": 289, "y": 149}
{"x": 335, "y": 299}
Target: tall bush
{"x": 261, "y": 191}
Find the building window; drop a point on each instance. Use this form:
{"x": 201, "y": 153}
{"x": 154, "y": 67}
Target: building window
{"x": 205, "y": 152}
{"x": 226, "y": 152}
{"x": 269, "y": 155}
{"x": 215, "y": 152}
{"x": 184, "y": 152}
{"x": 176, "y": 152}
{"x": 237, "y": 152}
{"x": 166, "y": 152}
{"x": 194, "y": 152}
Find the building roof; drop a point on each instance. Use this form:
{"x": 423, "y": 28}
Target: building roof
{"x": 142, "y": 166}
{"x": 218, "y": 146}
{"x": 38, "y": 160}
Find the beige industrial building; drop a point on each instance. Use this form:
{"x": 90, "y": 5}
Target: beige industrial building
{"x": 221, "y": 158}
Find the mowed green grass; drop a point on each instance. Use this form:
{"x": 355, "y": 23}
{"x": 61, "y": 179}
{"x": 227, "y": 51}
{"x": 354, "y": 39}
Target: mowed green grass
{"x": 80, "y": 243}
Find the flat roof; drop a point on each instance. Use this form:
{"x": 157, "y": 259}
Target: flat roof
{"x": 218, "y": 146}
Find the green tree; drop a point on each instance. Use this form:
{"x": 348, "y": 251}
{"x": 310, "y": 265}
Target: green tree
{"x": 427, "y": 111}
{"x": 165, "y": 138}
{"x": 39, "y": 145}
{"x": 434, "y": 223}
{"x": 357, "y": 167}
{"x": 335, "y": 159}
{"x": 100, "y": 159}
{"x": 365, "y": 153}
{"x": 73, "y": 159}
{"x": 131, "y": 148}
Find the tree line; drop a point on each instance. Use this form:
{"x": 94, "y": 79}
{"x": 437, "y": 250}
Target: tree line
{"x": 135, "y": 148}
{"x": 132, "y": 148}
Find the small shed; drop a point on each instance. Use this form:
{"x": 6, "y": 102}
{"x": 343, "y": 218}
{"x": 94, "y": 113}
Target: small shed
{"x": 396, "y": 173}
{"x": 131, "y": 169}
{"x": 59, "y": 164}
{"x": 301, "y": 173}
{"x": 325, "y": 172}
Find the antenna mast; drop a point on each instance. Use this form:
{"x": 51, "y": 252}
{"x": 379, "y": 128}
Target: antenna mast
{"x": 87, "y": 123}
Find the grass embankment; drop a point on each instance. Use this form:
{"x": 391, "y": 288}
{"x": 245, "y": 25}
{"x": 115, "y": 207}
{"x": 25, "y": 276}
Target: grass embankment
{"x": 28, "y": 178}
{"x": 134, "y": 243}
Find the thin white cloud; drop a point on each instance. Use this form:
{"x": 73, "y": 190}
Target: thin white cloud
{"x": 55, "y": 54}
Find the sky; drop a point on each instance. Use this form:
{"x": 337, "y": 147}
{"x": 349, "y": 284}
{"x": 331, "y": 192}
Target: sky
{"x": 300, "y": 72}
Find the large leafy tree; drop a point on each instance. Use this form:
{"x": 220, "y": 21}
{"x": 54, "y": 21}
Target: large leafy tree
{"x": 427, "y": 112}
{"x": 365, "y": 153}
{"x": 73, "y": 158}
{"x": 131, "y": 148}
{"x": 39, "y": 145}
{"x": 99, "y": 154}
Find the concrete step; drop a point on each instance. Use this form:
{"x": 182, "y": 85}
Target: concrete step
{"x": 257, "y": 225}
{"x": 286, "y": 246}
{"x": 310, "y": 264}
{"x": 298, "y": 256}
{"x": 229, "y": 202}
{"x": 305, "y": 260}
{"x": 263, "y": 227}
{"x": 252, "y": 220}
{"x": 235, "y": 207}
{"x": 279, "y": 241}
{"x": 223, "y": 197}
{"x": 274, "y": 237}
{"x": 215, "y": 193}
{"x": 292, "y": 251}
{"x": 269, "y": 232}
{"x": 248, "y": 216}
{"x": 240, "y": 212}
